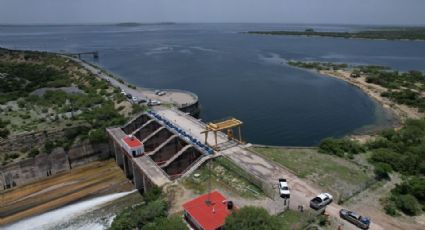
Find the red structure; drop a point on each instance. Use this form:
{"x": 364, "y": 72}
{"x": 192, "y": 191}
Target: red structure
{"x": 207, "y": 212}
{"x": 133, "y": 146}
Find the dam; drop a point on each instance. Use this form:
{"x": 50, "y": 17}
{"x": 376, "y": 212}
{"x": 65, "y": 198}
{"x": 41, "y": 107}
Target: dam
{"x": 153, "y": 150}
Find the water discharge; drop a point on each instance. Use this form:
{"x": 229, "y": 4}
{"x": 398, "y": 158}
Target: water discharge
{"x": 65, "y": 217}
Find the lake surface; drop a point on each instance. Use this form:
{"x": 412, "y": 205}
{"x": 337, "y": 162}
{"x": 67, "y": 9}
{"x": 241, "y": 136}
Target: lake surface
{"x": 237, "y": 74}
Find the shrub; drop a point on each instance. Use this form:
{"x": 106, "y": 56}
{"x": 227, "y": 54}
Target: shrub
{"x": 98, "y": 136}
{"x": 251, "y": 218}
{"x": 382, "y": 171}
{"x": 4, "y": 133}
{"x": 48, "y": 147}
{"x": 33, "y": 153}
{"x": 340, "y": 147}
{"x": 408, "y": 204}
{"x": 390, "y": 209}
{"x": 138, "y": 217}
{"x": 162, "y": 223}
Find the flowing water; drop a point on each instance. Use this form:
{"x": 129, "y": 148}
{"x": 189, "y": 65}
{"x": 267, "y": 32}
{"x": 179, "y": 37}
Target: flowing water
{"x": 84, "y": 215}
{"x": 238, "y": 74}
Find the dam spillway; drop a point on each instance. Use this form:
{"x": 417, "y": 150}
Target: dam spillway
{"x": 168, "y": 151}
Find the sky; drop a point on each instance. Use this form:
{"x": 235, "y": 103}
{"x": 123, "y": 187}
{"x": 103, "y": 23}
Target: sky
{"x": 376, "y": 12}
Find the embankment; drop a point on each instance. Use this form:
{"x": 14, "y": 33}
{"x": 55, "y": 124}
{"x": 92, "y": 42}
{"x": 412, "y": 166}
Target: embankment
{"x": 403, "y": 112}
{"x": 48, "y": 164}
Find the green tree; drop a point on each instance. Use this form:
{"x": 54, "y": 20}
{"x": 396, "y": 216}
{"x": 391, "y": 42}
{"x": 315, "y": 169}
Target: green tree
{"x": 251, "y": 218}
{"x": 137, "y": 217}
{"x": 4, "y": 132}
{"x": 382, "y": 171}
{"x": 408, "y": 204}
{"x": 162, "y": 223}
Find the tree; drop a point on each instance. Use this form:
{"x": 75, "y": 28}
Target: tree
{"x": 4, "y": 132}
{"x": 172, "y": 223}
{"x": 251, "y": 218}
{"x": 408, "y": 204}
{"x": 138, "y": 217}
{"x": 382, "y": 170}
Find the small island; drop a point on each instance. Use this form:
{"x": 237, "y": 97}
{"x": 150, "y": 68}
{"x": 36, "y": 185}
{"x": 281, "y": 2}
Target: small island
{"x": 402, "y": 33}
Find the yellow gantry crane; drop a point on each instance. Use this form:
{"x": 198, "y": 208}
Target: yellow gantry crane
{"x": 227, "y": 125}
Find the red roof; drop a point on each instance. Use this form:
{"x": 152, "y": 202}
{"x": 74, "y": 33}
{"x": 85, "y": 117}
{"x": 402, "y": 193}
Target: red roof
{"x": 132, "y": 142}
{"x": 212, "y": 216}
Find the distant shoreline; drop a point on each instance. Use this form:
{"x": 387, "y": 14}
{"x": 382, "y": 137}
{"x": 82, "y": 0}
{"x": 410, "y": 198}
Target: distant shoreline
{"x": 400, "y": 111}
{"x": 402, "y": 33}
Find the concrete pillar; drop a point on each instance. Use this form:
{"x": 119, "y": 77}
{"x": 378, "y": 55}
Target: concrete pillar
{"x": 126, "y": 166}
{"x": 138, "y": 179}
{"x": 118, "y": 155}
{"x": 128, "y": 169}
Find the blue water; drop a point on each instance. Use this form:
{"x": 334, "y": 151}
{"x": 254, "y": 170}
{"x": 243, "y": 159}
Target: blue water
{"x": 237, "y": 74}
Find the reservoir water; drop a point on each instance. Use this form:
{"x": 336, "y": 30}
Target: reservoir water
{"x": 237, "y": 74}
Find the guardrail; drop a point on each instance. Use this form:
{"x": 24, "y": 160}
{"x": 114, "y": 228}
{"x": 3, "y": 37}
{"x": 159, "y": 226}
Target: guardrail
{"x": 182, "y": 134}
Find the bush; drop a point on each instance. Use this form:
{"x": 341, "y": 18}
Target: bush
{"x": 4, "y": 123}
{"x": 138, "y": 217}
{"x": 173, "y": 223}
{"x": 4, "y": 133}
{"x": 49, "y": 146}
{"x": 154, "y": 194}
{"x": 12, "y": 156}
{"x": 390, "y": 209}
{"x": 340, "y": 147}
{"x": 408, "y": 204}
{"x": 33, "y": 153}
{"x": 98, "y": 136}
{"x": 251, "y": 218}
{"x": 382, "y": 171}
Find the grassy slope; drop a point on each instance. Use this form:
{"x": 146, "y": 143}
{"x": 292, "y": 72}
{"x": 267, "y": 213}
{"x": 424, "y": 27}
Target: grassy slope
{"x": 341, "y": 177}
{"x": 225, "y": 175}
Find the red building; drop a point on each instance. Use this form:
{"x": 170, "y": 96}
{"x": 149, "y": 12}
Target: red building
{"x": 208, "y": 212}
{"x": 133, "y": 146}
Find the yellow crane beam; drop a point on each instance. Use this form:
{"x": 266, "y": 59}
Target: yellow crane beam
{"x": 228, "y": 125}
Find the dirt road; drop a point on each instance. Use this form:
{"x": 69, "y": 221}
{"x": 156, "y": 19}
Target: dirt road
{"x": 302, "y": 192}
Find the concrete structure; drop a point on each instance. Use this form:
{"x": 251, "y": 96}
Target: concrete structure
{"x": 184, "y": 100}
{"x": 169, "y": 151}
{"x": 44, "y": 165}
{"x": 208, "y": 211}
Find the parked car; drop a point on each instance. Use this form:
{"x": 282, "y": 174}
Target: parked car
{"x": 135, "y": 99}
{"x": 142, "y": 100}
{"x": 160, "y": 93}
{"x": 354, "y": 218}
{"x": 123, "y": 93}
{"x": 129, "y": 96}
{"x": 321, "y": 201}
{"x": 284, "y": 189}
{"x": 153, "y": 102}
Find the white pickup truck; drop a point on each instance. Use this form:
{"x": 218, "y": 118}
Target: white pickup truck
{"x": 284, "y": 189}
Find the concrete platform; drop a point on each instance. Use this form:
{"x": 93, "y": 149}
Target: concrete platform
{"x": 151, "y": 170}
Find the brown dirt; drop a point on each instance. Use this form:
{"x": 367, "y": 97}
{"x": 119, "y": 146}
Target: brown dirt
{"x": 368, "y": 203}
{"x": 402, "y": 111}
{"x": 97, "y": 178}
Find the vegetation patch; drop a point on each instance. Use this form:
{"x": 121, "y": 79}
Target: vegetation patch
{"x": 224, "y": 174}
{"x": 42, "y": 91}
{"x": 150, "y": 215}
{"x": 341, "y": 177}
{"x": 402, "y": 33}
{"x": 399, "y": 151}
{"x": 406, "y": 88}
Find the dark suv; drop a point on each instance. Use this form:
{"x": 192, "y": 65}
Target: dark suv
{"x": 360, "y": 221}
